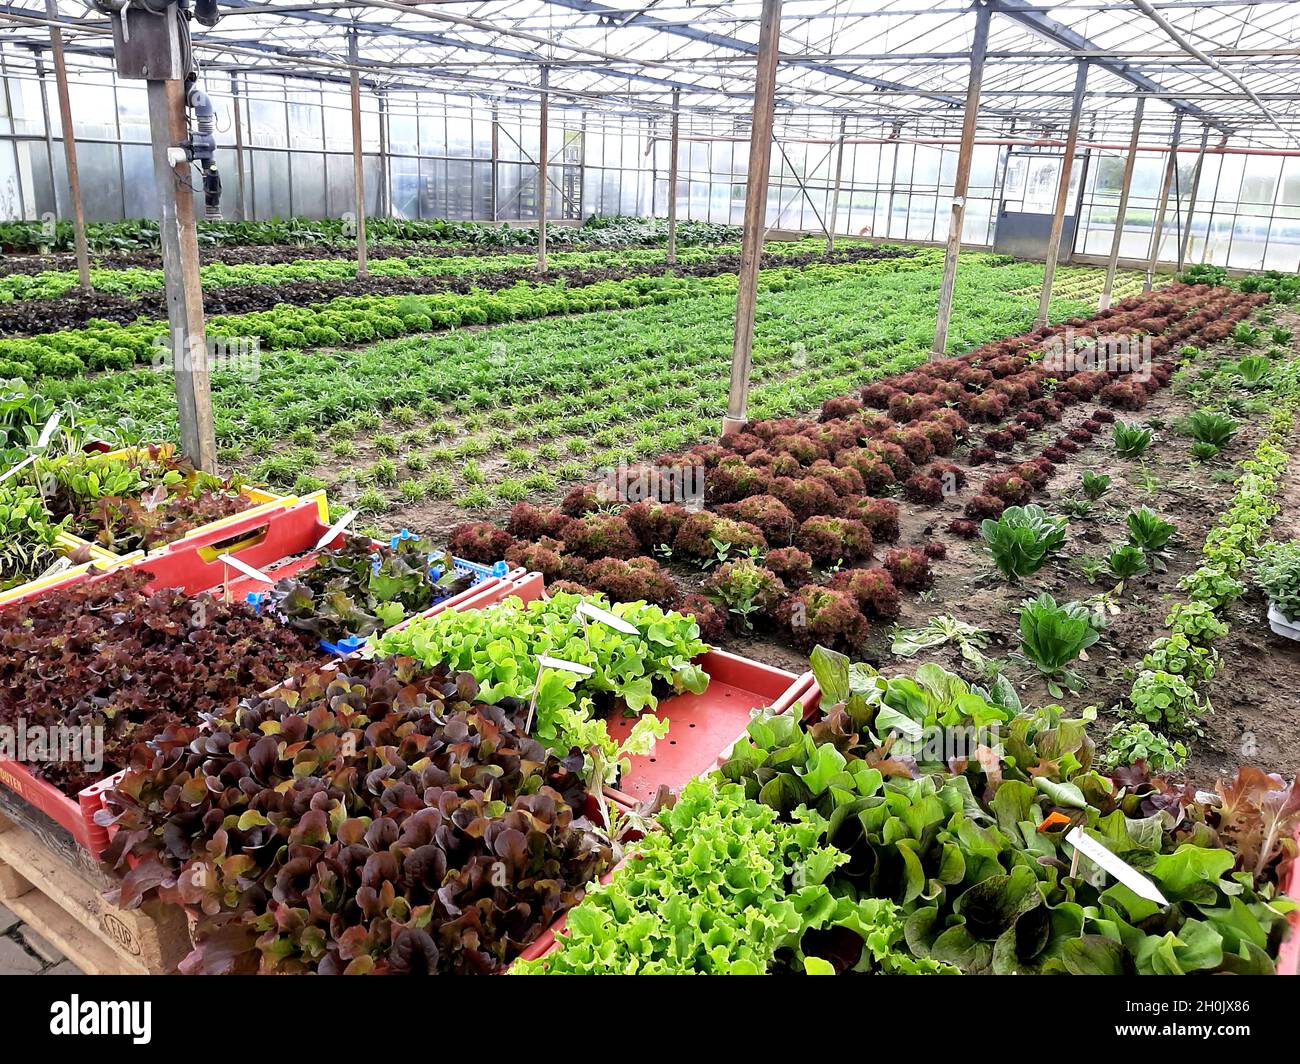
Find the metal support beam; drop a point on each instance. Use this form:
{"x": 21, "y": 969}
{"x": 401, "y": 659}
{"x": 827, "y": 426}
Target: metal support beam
{"x": 237, "y": 106}
{"x": 543, "y": 161}
{"x": 358, "y": 165}
{"x": 384, "y": 209}
{"x": 751, "y": 249}
{"x": 49, "y": 132}
{"x": 1157, "y": 232}
{"x": 180, "y": 254}
{"x": 1185, "y": 243}
{"x": 962, "y": 180}
{"x": 835, "y": 193}
{"x": 1062, "y": 194}
{"x": 672, "y": 178}
{"x": 1125, "y": 186}
{"x": 496, "y": 155}
{"x": 69, "y": 148}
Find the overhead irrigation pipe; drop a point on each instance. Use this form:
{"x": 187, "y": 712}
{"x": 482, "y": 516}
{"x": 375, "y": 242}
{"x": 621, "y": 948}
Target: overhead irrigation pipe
{"x": 1009, "y": 142}
{"x": 1145, "y": 7}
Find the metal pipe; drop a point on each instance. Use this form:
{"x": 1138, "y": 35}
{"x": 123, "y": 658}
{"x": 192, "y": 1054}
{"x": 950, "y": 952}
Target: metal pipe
{"x": 1170, "y": 170}
{"x": 1127, "y": 183}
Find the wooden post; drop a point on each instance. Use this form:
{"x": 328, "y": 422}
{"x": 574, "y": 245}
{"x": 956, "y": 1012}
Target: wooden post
{"x": 180, "y": 255}
{"x": 542, "y": 177}
{"x": 69, "y": 147}
{"x": 835, "y": 194}
{"x": 672, "y": 178}
{"x": 962, "y": 180}
{"x": 358, "y": 167}
{"x": 239, "y": 148}
{"x": 1185, "y": 243}
{"x": 1158, "y": 231}
{"x": 751, "y": 250}
{"x": 1062, "y": 195}
{"x": 1125, "y": 185}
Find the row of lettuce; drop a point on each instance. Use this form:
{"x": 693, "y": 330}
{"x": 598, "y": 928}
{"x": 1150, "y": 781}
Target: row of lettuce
{"x": 353, "y": 320}
{"x": 141, "y": 234}
{"x": 1167, "y": 700}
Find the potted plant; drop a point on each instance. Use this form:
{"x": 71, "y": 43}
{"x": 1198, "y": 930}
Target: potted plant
{"x": 1278, "y": 576}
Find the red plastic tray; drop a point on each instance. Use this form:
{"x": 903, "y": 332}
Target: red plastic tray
{"x": 195, "y": 564}
{"x": 1288, "y": 957}
{"x": 702, "y": 726}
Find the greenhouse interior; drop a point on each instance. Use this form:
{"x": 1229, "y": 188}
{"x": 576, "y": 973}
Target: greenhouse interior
{"x": 543, "y": 487}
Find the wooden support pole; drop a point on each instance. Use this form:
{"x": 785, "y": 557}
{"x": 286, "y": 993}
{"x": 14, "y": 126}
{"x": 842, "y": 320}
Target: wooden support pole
{"x": 239, "y": 147}
{"x": 751, "y": 249}
{"x": 69, "y": 147}
{"x": 358, "y": 166}
{"x": 962, "y": 180}
{"x": 835, "y": 193}
{"x": 1186, "y": 242}
{"x": 1158, "y": 231}
{"x": 180, "y": 254}
{"x": 542, "y": 177}
{"x": 1062, "y": 194}
{"x": 1125, "y": 185}
{"x": 673, "y": 146}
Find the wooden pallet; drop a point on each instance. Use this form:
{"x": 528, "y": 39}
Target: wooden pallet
{"x": 65, "y": 904}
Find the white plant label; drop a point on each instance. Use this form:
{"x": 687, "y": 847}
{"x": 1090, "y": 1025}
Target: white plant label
{"x": 18, "y": 468}
{"x": 1121, "y": 870}
{"x": 548, "y": 662}
{"x": 47, "y": 433}
{"x": 338, "y": 526}
{"x": 248, "y": 570}
{"x": 606, "y": 618}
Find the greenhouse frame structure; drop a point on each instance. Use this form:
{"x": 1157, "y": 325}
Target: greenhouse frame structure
{"x": 937, "y": 123}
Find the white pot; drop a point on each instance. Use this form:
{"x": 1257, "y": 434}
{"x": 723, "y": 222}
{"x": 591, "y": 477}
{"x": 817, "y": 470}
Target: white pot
{"x": 1280, "y": 625}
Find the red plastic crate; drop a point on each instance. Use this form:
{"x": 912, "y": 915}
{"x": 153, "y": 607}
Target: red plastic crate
{"x": 1288, "y": 957}
{"x": 261, "y": 540}
{"x": 702, "y": 726}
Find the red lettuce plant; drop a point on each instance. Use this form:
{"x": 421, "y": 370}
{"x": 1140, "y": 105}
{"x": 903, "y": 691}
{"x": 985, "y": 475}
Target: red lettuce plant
{"x": 375, "y": 821}
{"x": 105, "y": 653}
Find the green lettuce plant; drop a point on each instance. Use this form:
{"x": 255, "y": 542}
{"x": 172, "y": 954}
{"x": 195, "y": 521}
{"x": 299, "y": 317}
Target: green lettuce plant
{"x": 1022, "y": 539}
{"x": 1052, "y": 637}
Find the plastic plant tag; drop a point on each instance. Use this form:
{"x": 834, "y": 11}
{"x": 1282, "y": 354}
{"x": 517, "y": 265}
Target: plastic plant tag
{"x": 548, "y": 662}
{"x": 47, "y": 433}
{"x": 1121, "y": 870}
{"x": 544, "y": 662}
{"x": 248, "y": 570}
{"x": 338, "y": 526}
{"x": 18, "y": 468}
{"x": 607, "y": 618}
